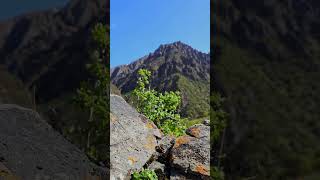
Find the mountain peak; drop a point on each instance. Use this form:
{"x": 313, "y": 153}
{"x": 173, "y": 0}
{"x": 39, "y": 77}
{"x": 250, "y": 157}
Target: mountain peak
{"x": 177, "y": 46}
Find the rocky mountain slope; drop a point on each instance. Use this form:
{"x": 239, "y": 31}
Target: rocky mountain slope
{"x": 174, "y": 66}
{"x": 48, "y": 49}
{"x": 31, "y": 149}
{"x": 266, "y": 61}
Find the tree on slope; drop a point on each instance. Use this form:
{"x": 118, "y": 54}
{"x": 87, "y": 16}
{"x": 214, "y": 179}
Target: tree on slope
{"x": 93, "y": 95}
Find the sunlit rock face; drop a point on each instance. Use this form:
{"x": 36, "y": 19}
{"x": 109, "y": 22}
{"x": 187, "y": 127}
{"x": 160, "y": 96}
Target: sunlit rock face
{"x": 133, "y": 139}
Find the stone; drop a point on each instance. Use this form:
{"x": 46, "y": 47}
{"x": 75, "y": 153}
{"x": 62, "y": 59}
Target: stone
{"x": 164, "y": 145}
{"x": 177, "y": 175}
{"x": 31, "y": 149}
{"x": 190, "y": 155}
{"x": 133, "y": 139}
{"x": 206, "y": 122}
{"x": 199, "y": 131}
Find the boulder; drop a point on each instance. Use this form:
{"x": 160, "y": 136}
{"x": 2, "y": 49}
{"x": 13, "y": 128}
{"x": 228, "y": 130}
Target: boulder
{"x": 133, "y": 139}
{"x": 190, "y": 155}
{"x": 206, "y": 122}
{"x": 163, "y": 148}
{"x": 199, "y": 131}
{"x": 31, "y": 149}
{"x": 178, "y": 175}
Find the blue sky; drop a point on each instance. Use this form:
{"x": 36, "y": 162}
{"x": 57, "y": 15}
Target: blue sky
{"x": 11, "y": 8}
{"x": 138, "y": 27}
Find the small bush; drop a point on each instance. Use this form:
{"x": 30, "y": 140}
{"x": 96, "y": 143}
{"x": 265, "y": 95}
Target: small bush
{"x": 174, "y": 127}
{"x": 161, "y": 108}
{"x": 145, "y": 174}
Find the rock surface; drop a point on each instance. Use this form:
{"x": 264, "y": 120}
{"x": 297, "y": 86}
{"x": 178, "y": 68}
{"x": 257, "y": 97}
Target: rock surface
{"x": 164, "y": 146}
{"x": 31, "y": 149}
{"x": 137, "y": 143}
{"x": 199, "y": 131}
{"x": 190, "y": 155}
{"x": 133, "y": 139}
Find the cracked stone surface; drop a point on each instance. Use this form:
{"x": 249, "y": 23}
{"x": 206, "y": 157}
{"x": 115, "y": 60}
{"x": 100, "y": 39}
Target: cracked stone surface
{"x": 133, "y": 139}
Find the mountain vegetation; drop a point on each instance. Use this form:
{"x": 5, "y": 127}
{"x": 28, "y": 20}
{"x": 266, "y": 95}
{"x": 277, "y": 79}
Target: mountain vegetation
{"x": 266, "y": 64}
{"x": 161, "y": 108}
{"x": 93, "y": 96}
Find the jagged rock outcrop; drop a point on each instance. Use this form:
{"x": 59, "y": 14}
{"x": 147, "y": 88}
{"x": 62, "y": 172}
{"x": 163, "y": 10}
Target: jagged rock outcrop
{"x": 30, "y": 149}
{"x": 185, "y": 157}
{"x": 133, "y": 139}
{"x": 190, "y": 155}
{"x": 137, "y": 143}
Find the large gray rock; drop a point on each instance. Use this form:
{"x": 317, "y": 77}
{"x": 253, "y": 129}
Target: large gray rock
{"x": 30, "y": 149}
{"x": 165, "y": 144}
{"x": 190, "y": 155}
{"x": 133, "y": 139}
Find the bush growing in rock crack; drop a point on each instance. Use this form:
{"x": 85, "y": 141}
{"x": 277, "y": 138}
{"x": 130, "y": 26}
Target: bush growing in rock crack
{"x": 159, "y": 107}
{"x": 145, "y": 174}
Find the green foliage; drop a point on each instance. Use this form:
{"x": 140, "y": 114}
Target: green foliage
{"x": 274, "y": 104}
{"x": 197, "y": 97}
{"x": 191, "y": 122}
{"x": 218, "y": 116}
{"x": 174, "y": 127}
{"x": 217, "y": 174}
{"x": 161, "y": 108}
{"x": 218, "y": 122}
{"x": 100, "y": 36}
{"x": 145, "y": 174}
{"x": 93, "y": 96}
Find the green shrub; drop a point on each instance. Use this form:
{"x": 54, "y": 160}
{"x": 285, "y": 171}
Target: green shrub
{"x": 218, "y": 116}
{"x": 217, "y": 174}
{"x": 161, "y": 108}
{"x": 145, "y": 174}
{"x": 174, "y": 127}
{"x": 93, "y": 96}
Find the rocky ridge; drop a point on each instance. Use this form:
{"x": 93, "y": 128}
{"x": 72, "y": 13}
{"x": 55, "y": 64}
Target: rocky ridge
{"x": 170, "y": 58}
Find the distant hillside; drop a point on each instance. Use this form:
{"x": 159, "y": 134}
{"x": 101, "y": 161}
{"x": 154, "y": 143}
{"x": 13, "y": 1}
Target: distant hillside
{"x": 174, "y": 66}
{"x": 266, "y": 61}
{"x": 12, "y": 90}
{"x": 47, "y": 51}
